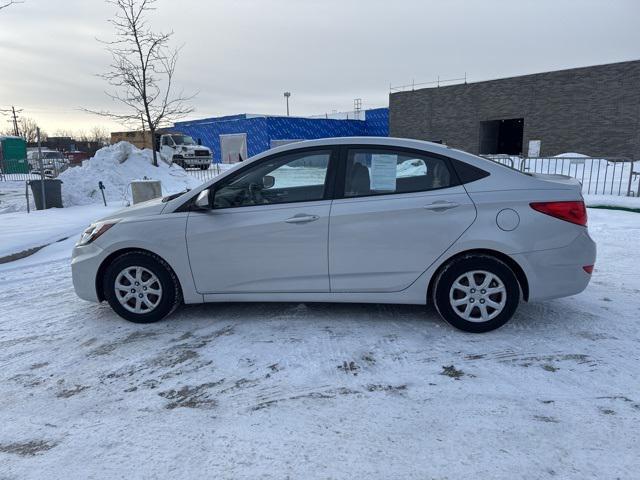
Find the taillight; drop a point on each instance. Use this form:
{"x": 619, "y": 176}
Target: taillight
{"x": 588, "y": 269}
{"x": 574, "y": 212}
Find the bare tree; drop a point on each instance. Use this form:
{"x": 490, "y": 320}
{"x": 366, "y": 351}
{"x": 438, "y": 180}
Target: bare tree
{"x": 142, "y": 71}
{"x": 82, "y": 136}
{"x": 6, "y": 3}
{"x": 63, "y": 132}
{"x": 27, "y": 128}
{"x": 99, "y": 134}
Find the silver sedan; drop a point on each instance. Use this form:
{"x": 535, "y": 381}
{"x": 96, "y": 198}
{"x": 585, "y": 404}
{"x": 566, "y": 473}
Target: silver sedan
{"x": 376, "y": 220}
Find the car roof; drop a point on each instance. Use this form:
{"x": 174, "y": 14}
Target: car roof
{"x": 381, "y": 141}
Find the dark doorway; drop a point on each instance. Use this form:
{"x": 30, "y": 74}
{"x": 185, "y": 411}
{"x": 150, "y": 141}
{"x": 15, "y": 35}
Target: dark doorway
{"x": 501, "y": 136}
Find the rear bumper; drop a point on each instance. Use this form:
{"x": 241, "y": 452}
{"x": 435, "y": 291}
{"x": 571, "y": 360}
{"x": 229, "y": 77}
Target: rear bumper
{"x": 84, "y": 266}
{"x": 558, "y": 272}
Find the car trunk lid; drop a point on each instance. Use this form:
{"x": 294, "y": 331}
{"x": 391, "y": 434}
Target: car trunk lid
{"x": 562, "y": 181}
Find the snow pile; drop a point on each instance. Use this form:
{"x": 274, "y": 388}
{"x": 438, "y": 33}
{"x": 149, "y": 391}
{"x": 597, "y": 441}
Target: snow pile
{"x": 411, "y": 168}
{"x": 116, "y": 166}
{"x": 571, "y": 155}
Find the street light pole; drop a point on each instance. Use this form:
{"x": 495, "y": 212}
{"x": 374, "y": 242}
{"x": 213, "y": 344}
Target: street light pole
{"x": 286, "y": 96}
{"x": 41, "y": 165}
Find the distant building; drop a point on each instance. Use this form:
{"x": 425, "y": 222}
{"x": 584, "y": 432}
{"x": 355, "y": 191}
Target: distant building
{"x": 242, "y": 136}
{"x": 69, "y": 145}
{"x": 591, "y": 110}
{"x": 137, "y": 138}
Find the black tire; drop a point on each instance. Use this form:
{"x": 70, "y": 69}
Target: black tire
{"x": 459, "y": 267}
{"x": 169, "y": 299}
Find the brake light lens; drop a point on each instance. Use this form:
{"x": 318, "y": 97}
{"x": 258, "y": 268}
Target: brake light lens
{"x": 588, "y": 269}
{"x": 574, "y": 212}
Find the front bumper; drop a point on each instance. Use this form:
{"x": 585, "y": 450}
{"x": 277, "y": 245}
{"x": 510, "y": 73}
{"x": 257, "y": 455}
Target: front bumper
{"x": 194, "y": 161}
{"x": 558, "y": 272}
{"x": 85, "y": 261}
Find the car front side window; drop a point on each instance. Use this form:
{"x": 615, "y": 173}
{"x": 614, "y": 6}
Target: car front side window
{"x": 294, "y": 177}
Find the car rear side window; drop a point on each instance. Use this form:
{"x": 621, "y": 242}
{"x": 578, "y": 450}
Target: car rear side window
{"x": 468, "y": 173}
{"x": 380, "y": 171}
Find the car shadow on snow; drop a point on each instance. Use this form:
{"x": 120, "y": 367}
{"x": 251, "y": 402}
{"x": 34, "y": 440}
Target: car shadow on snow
{"x": 542, "y": 316}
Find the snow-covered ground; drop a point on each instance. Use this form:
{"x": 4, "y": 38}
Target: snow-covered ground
{"x": 320, "y": 391}
{"x": 21, "y": 231}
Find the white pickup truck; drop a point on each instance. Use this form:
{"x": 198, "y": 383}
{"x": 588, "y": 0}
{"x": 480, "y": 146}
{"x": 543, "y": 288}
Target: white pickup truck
{"x": 184, "y": 151}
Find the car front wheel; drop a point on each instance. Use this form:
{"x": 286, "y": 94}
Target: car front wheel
{"x": 476, "y": 293}
{"x": 141, "y": 287}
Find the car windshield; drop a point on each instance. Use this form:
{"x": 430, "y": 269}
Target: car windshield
{"x": 183, "y": 140}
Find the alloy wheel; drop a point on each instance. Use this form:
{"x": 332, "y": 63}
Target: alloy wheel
{"x": 478, "y": 296}
{"x": 138, "y": 289}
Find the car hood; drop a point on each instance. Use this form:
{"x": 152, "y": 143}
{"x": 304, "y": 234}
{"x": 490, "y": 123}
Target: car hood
{"x": 191, "y": 148}
{"x": 143, "y": 209}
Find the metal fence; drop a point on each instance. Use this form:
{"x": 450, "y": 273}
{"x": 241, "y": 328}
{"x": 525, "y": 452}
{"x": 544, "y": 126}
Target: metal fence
{"x": 598, "y": 176}
{"x": 50, "y": 170}
{"x": 54, "y": 169}
{"x": 213, "y": 171}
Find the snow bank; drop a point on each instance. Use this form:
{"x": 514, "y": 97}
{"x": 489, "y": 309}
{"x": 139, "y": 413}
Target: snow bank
{"x": 612, "y": 201}
{"x": 411, "y": 168}
{"x": 22, "y": 231}
{"x": 571, "y": 155}
{"x": 116, "y": 166}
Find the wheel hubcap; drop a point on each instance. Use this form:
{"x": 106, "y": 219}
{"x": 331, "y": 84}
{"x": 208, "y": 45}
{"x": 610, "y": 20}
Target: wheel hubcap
{"x": 478, "y": 296}
{"x": 138, "y": 289}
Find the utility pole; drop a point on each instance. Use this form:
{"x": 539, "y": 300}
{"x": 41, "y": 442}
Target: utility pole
{"x": 41, "y": 165}
{"x": 14, "y": 118}
{"x": 286, "y": 96}
{"x": 16, "y": 132}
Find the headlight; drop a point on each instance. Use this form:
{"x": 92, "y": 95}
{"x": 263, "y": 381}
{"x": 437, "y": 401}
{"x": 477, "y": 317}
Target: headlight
{"x": 95, "y": 230}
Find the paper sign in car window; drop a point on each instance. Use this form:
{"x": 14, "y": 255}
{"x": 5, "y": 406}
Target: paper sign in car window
{"x": 383, "y": 172}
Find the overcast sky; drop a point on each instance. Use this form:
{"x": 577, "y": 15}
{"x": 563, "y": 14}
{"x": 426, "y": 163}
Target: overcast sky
{"x": 241, "y": 55}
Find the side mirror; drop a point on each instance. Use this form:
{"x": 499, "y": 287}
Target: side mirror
{"x": 202, "y": 200}
{"x": 268, "y": 181}
{"x": 199, "y": 141}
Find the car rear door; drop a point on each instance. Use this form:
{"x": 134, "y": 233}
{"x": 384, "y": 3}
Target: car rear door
{"x": 268, "y": 229}
{"x": 400, "y": 210}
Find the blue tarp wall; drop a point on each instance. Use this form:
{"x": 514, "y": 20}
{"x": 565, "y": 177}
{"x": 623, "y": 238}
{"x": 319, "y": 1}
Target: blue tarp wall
{"x": 261, "y": 130}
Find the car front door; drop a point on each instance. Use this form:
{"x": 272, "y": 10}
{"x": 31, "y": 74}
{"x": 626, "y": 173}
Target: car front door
{"x": 399, "y": 212}
{"x": 268, "y": 228}
{"x": 166, "y": 148}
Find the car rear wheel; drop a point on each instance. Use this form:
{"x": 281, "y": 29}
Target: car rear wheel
{"x": 476, "y": 293}
{"x": 141, "y": 287}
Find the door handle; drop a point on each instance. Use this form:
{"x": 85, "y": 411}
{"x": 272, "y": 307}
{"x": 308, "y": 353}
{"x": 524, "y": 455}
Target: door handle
{"x": 441, "y": 206}
{"x": 302, "y": 218}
